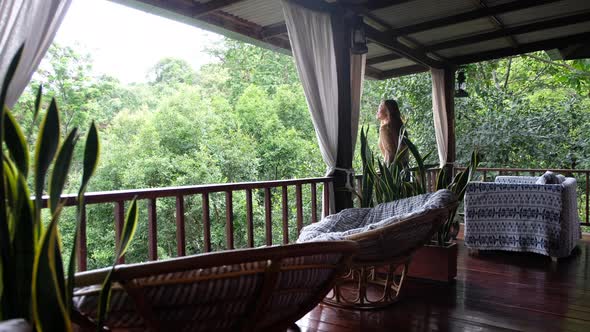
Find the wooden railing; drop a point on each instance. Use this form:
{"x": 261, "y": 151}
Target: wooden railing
{"x": 119, "y": 197}
{"x": 582, "y": 177}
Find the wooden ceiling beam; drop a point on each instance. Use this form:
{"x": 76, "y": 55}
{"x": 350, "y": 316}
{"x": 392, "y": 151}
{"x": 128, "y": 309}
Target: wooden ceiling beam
{"x": 521, "y": 29}
{"x": 392, "y": 44}
{"x": 211, "y": 6}
{"x": 468, "y": 16}
{"x": 373, "y": 72}
{"x": 273, "y": 30}
{"x": 497, "y": 22}
{"x": 383, "y": 58}
{"x": 246, "y": 28}
{"x": 190, "y": 8}
{"x": 372, "y": 5}
{"x": 414, "y": 69}
{"x": 523, "y": 48}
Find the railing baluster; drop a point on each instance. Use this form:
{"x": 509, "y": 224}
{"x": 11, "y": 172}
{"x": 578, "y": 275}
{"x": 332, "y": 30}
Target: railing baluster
{"x": 229, "y": 220}
{"x": 485, "y": 176}
{"x": 326, "y": 203}
{"x": 268, "y": 216}
{"x": 285, "y": 201}
{"x": 299, "y": 203}
{"x": 119, "y": 222}
{"x": 433, "y": 177}
{"x": 180, "y": 234}
{"x": 206, "y": 223}
{"x": 249, "y": 218}
{"x": 82, "y": 249}
{"x": 152, "y": 230}
{"x": 314, "y": 203}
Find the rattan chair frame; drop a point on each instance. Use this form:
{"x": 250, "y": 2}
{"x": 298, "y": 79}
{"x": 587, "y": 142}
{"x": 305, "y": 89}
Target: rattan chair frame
{"x": 126, "y": 277}
{"x": 382, "y": 263}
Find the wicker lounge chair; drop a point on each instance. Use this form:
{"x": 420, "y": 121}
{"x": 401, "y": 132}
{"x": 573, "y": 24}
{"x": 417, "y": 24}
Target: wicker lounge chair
{"x": 389, "y": 235}
{"x": 262, "y": 289}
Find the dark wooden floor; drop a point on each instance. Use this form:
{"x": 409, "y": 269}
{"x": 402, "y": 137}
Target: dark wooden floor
{"x": 494, "y": 291}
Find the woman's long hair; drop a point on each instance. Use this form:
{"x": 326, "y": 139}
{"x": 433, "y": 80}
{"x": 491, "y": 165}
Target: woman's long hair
{"x": 394, "y": 113}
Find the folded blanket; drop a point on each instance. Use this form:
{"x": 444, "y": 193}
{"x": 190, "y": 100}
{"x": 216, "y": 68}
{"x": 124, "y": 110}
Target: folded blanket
{"x": 357, "y": 220}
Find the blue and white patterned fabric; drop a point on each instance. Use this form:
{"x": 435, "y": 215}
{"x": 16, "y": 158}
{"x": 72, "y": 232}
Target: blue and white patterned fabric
{"x": 357, "y": 220}
{"x": 516, "y": 214}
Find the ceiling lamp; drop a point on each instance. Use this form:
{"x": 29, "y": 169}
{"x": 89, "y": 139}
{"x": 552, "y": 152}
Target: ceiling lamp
{"x": 359, "y": 39}
{"x": 460, "y": 89}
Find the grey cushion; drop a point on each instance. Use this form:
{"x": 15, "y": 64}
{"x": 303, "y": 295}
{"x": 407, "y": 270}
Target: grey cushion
{"x": 352, "y": 221}
{"x": 549, "y": 178}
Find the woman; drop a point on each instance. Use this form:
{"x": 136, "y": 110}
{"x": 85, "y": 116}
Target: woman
{"x": 389, "y": 131}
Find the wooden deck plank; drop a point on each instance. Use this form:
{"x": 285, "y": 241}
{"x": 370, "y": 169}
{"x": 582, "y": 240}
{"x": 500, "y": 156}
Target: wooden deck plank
{"x": 494, "y": 291}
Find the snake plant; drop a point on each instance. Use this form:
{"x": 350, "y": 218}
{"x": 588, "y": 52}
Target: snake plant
{"x": 33, "y": 283}
{"x": 382, "y": 182}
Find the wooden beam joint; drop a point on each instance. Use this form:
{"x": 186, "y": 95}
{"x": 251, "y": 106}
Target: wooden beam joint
{"x": 388, "y": 41}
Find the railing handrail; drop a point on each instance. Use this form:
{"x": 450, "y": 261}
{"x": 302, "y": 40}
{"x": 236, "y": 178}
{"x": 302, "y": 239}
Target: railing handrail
{"x": 524, "y": 170}
{"x": 152, "y": 193}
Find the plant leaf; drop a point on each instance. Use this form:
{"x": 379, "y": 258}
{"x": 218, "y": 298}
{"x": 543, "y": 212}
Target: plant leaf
{"x": 61, "y": 168}
{"x": 91, "y": 153}
{"x": 5, "y": 258}
{"x": 128, "y": 229}
{"x": 38, "y": 100}
{"x": 49, "y": 310}
{"x": 45, "y": 149}
{"x": 127, "y": 235}
{"x": 24, "y": 246}
{"x": 16, "y": 143}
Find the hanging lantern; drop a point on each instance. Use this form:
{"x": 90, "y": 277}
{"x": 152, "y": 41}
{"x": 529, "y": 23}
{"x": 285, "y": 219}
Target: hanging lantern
{"x": 460, "y": 89}
{"x": 359, "y": 39}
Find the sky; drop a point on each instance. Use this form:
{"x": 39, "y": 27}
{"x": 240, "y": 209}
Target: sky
{"x": 126, "y": 43}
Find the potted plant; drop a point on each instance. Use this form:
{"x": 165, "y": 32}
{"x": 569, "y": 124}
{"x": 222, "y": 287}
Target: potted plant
{"x": 383, "y": 182}
{"x": 35, "y": 291}
{"x": 438, "y": 260}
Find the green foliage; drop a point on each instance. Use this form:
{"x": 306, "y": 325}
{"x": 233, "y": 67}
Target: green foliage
{"x": 384, "y": 182}
{"x": 244, "y": 118}
{"x": 172, "y": 71}
{"x": 33, "y": 282}
{"x": 457, "y": 185}
{"x": 391, "y": 181}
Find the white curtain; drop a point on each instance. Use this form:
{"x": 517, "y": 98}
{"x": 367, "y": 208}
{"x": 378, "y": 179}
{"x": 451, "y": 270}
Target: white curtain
{"x": 34, "y": 22}
{"x": 439, "y": 108}
{"x": 312, "y": 44}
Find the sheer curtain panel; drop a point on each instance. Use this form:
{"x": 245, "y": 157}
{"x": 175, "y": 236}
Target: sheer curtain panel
{"x": 312, "y": 43}
{"x": 33, "y": 22}
{"x": 439, "y": 110}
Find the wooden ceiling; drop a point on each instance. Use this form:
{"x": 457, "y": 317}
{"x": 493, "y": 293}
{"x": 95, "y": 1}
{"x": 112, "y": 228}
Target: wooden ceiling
{"x": 405, "y": 36}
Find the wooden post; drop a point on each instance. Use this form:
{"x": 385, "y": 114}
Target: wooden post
{"x": 341, "y": 28}
{"x": 449, "y": 82}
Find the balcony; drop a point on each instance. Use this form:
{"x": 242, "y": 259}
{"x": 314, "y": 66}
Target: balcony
{"x": 494, "y": 291}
